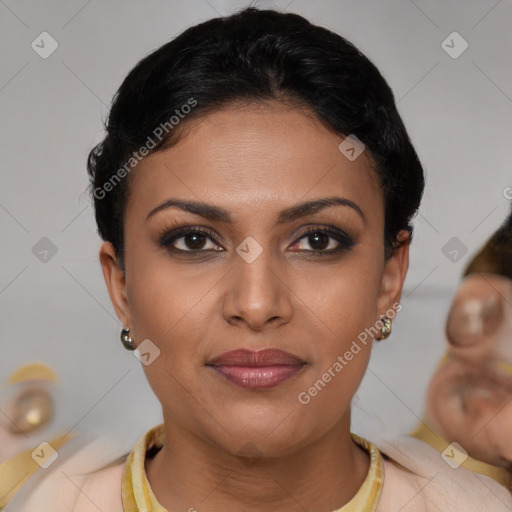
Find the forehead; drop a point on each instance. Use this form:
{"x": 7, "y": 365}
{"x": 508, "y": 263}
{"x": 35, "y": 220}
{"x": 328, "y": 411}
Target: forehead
{"x": 255, "y": 156}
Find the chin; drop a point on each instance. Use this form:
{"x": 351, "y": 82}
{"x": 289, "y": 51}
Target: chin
{"x": 266, "y": 432}
{"x": 257, "y": 443}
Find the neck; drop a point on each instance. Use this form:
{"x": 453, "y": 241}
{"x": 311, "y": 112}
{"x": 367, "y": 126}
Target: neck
{"x": 192, "y": 472}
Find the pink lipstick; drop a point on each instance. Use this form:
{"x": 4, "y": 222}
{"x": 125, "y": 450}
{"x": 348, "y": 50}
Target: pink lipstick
{"x": 257, "y": 370}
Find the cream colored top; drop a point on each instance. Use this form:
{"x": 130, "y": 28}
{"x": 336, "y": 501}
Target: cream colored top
{"x": 414, "y": 479}
{"x": 138, "y": 496}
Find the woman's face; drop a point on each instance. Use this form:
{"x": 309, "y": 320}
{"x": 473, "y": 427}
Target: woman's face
{"x": 251, "y": 279}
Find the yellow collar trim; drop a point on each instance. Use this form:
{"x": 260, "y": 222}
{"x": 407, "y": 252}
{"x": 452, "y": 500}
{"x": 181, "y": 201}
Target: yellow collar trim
{"x": 138, "y": 496}
{"x": 16, "y": 471}
{"x": 425, "y": 433}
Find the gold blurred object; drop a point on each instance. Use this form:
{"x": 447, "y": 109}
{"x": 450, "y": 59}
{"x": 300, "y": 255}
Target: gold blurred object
{"x": 17, "y": 470}
{"x": 504, "y": 367}
{"x": 32, "y": 371}
{"x": 29, "y": 407}
{"x": 32, "y": 410}
{"x": 426, "y": 433}
{"x": 446, "y": 357}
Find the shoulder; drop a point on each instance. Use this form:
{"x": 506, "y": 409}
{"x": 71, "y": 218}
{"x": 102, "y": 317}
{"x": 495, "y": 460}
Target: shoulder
{"x": 74, "y": 483}
{"x": 101, "y": 490}
{"x": 416, "y": 478}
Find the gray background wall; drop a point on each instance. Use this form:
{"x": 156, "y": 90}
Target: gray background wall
{"x": 457, "y": 110}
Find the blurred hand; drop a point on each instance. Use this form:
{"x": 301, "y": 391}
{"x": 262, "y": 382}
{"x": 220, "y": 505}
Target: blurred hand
{"x": 469, "y": 398}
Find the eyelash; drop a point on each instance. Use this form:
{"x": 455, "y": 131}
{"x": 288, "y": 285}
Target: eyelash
{"x": 344, "y": 240}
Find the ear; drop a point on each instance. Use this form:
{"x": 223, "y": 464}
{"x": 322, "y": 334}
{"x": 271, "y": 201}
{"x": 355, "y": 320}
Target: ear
{"x": 116, "y": 283}
{"x": 393, "y": 277}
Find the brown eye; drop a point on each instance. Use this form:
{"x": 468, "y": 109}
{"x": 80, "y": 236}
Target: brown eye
{"x": 318, "y": 241}
{"x": 189, "y": 240}
{"x": 193, "y": 241}
{"x": 326, "y": 240}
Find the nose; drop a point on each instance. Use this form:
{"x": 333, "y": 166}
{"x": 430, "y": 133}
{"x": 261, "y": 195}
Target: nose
{"x": 476, "y": 314}
{"x": 257, "y": 295}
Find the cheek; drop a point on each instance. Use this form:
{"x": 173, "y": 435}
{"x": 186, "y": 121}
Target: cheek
{"x": 166, "y": 301}
{"x": 161, "y": 292}
{"x": 347, "y": 300}
{"x": 333, "y": 310}
{"x": 340, "y": 316}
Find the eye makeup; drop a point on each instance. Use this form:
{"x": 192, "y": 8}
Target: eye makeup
{"x": 195, "y": 240}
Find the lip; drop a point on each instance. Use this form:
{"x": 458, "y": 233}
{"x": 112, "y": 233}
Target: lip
{"x": 257, "y": 370}
{"x": 265, "y": 357}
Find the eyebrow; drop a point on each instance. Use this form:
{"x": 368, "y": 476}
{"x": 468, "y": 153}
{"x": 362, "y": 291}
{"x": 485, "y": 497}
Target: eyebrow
{"x": 219, "y": 214}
